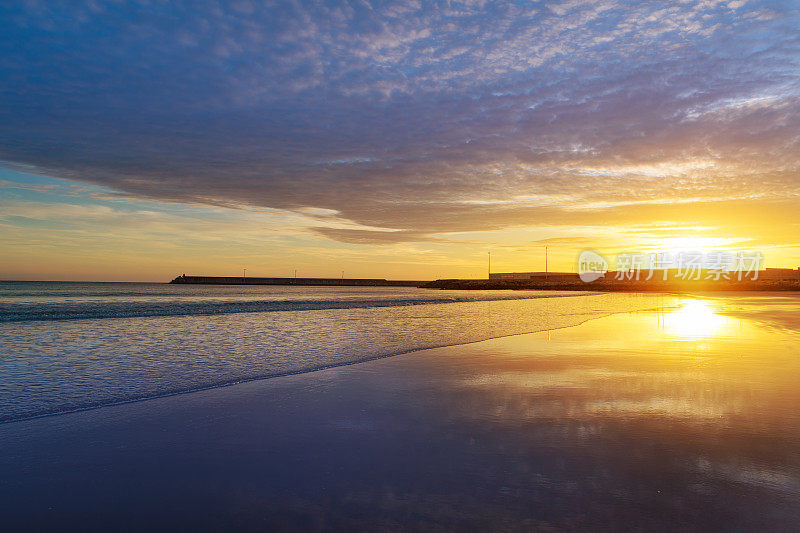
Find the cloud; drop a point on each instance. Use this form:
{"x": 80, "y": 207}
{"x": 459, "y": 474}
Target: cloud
{"x": 405, "y": 117}
{"x": 360, "y": 236}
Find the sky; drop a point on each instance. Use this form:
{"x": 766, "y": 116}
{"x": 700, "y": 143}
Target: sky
{"x": 141, "y": 140}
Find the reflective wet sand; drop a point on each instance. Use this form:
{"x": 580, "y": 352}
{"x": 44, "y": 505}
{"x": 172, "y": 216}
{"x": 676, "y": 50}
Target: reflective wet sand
{"x": 687, "y": 418}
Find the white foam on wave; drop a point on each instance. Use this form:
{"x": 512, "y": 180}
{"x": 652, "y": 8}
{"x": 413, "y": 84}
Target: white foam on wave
{"x": 56, "y": 366}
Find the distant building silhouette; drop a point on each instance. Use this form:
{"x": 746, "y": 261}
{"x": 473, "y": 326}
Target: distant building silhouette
{"x": 534, "y": 275}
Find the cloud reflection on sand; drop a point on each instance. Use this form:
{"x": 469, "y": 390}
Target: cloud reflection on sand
{"x": 616, "y": 424}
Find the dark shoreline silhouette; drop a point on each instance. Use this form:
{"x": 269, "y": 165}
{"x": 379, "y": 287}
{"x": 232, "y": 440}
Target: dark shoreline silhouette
{"x": 574, "y": 283}
{"x": 560, "y": 282}
{"x": 242, "y": 280}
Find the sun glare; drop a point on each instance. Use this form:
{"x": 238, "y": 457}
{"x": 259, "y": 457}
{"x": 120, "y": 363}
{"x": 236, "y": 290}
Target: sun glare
{"x": 694, "y": 243}
{"x": 695, "y": 318}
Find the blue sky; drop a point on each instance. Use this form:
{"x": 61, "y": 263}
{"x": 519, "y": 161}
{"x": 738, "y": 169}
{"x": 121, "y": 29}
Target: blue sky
{"x": 405, "y": 123}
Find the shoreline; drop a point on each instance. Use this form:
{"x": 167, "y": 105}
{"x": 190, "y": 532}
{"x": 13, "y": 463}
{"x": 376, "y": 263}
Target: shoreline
{"x": 559, "y": 282}
{"x": 4, "y": 421}
{"x": 639, "y": 419}
{"x": 602, "y": 285}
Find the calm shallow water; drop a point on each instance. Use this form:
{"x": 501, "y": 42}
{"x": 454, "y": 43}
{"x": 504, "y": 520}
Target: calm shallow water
{"x": 69, "y": 346}
{"x": 683, "y": 419}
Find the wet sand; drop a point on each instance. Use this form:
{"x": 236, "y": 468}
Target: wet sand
{"x": 683, "y": 419}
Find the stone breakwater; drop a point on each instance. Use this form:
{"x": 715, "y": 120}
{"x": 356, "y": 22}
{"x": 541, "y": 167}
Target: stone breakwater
{"x": 246, "y": 280}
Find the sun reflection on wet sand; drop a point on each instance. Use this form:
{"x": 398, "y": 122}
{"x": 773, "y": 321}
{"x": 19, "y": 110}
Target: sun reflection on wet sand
{"x": 685, "y": 418}
{"x": 688, "y": 362}
{"x": 715, "y": 394}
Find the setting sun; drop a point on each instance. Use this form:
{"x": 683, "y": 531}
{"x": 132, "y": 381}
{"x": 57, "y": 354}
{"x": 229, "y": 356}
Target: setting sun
{"x": 696, "y": 318}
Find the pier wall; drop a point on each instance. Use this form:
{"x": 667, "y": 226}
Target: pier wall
{"x": 242, "y": 280}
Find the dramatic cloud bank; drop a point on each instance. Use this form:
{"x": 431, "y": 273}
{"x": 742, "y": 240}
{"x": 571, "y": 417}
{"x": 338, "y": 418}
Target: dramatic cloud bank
{"x": 406, "y": 120}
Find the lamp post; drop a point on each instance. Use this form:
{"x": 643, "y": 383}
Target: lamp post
{"x": 545, "y": 262}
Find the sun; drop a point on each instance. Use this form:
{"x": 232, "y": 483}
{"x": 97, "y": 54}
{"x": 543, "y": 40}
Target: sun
{"x": 695, "y": 318}
{"x": 682, "y": 244}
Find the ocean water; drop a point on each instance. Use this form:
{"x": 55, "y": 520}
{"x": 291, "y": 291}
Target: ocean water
{"x": 71, "y": 346}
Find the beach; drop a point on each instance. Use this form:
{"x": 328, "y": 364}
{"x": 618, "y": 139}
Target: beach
{"x": 400, "y": 266}
{"x": 683, "y": 417}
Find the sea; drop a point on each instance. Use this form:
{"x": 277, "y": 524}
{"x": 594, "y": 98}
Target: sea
{"x": 68, "y": 346}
